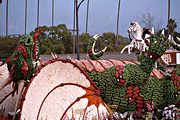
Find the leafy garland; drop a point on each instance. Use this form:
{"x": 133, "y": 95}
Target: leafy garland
{"x": 133, "y": 74}
{"x": 152, "y": 90}
{"x": 170, "y": 91}
{"x": 158, "y": 45}
{"x": 146, "y": 63}
{"x": 110, "y": 91}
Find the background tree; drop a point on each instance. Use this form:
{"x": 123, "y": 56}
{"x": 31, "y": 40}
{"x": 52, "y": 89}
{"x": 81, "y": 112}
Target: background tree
{"x": 59, "y": 39}
{"x": 84, "y": 38}
{"x": 60, "y": 33}
{"x": 7, "y": 46}
{"x": 109, "y": 38}
{"x": 56, "y": 39}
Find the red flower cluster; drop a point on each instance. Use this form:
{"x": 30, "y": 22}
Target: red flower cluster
{"x": 118, "y": 75}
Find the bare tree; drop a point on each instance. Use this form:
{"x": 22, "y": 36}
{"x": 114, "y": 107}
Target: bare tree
{"x": 148, "y": 20}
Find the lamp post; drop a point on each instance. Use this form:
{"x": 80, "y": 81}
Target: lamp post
{"x": 38, "y": 13}
{"x": 117, "y": 27}
{"x": 52, "y": 12}
{"x": 87, "y": 15}
{"x": 169, "y": 9}
{"x": 74, "y": 23}
{"x": 77, "y": 26}
{"x": 25, "y": 18}
{"x": 7, "y": 5}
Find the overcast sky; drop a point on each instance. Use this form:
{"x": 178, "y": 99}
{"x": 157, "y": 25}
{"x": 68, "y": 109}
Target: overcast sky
{"x": 102, "y": 14}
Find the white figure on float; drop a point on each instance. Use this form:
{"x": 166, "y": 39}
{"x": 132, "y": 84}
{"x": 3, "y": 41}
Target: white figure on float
{"x": 139, "y": 38}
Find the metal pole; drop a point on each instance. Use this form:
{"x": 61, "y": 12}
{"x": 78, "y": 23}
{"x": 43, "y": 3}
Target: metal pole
{"x": 117, "y": 27}
{"x": 169, "y": 9}
{"x": 77, "y": 30}
{"x": 7, "y": 17}
{"x": 38, "y": 13}
{"x": 52, "y": 12}
{"x": 74, "y": 22}
{"x": 77, "y": 26}
{"x": 25, "y": 25}
{"x": 87, "y": 15}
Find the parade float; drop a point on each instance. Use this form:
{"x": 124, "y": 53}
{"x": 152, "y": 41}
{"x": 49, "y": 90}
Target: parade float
{"x": 94, "y": 89}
